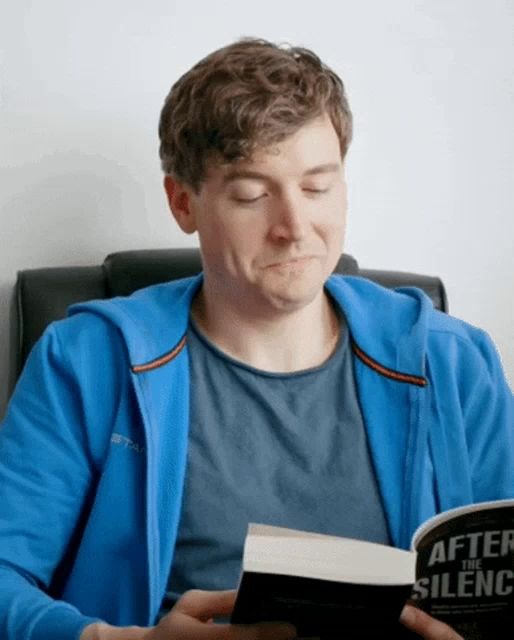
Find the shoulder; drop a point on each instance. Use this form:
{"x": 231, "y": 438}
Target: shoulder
{"x": 466, "y": 371}
{"x": 413, "y": 303}
{"x": 160, "y": 303}
{"x": 460, "y": 342}
{"x": 150, "y": 322}
{"x": 402, "y": 326}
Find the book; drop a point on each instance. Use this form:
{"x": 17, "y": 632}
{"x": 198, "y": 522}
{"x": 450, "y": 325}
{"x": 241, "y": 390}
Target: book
{"x": 459, "y": 569}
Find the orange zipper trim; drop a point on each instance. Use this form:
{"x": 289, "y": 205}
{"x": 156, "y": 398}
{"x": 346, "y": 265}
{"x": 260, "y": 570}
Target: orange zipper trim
{"x": 161, "y": 361}
{"x": 388, "y": 373}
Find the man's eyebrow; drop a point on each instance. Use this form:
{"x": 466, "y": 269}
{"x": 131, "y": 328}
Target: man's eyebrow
{"x": 329, "y": 167}
{"x": 241, "y": 174}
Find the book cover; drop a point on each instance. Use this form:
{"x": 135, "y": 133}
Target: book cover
{"x": 459, "y": 569}
{"x": 465, "y": 569}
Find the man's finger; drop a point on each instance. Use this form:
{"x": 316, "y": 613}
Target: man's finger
{"x": 427, "y": 627}
{"x": 204, "y": 605}
{"x": 196, "y": 606}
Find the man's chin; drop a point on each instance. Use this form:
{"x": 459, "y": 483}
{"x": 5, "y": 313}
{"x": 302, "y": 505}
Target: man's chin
{"x": 290, "y": 299}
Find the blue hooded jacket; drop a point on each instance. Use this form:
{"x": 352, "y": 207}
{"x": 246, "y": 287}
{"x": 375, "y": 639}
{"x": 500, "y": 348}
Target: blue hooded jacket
{"x": 93, "y": 447}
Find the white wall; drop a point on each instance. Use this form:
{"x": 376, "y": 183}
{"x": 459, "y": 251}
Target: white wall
{"x": 431, "y": 170}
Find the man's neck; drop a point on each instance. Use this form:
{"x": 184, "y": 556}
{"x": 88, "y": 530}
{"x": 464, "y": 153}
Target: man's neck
{"x": 285, "y": 343}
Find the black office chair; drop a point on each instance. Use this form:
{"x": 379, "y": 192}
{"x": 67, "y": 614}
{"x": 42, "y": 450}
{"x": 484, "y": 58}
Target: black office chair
{"x": 43, "y": 295}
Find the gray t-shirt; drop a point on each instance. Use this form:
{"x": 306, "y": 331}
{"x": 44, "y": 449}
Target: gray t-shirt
{"x": 281, "y": 449}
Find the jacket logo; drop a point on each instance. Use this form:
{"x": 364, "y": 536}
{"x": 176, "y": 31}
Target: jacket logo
{"x": 127, "y": 443}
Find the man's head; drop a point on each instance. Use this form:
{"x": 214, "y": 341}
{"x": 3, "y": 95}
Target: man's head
{"x": 249, "y": 95}
{"x": 253, "y": 141}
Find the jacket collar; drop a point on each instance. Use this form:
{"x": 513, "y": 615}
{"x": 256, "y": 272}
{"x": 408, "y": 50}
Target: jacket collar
{"x": 388, "y": 328}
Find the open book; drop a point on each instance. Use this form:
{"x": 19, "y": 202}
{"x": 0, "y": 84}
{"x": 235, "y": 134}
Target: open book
{"x": 460, "y": 569}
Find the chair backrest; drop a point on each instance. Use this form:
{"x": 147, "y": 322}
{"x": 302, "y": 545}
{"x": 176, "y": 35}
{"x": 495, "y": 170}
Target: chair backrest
{"x": 43, "y": 295}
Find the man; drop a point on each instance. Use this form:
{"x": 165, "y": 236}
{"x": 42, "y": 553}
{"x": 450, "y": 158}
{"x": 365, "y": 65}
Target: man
{"x": 147, "y": 432}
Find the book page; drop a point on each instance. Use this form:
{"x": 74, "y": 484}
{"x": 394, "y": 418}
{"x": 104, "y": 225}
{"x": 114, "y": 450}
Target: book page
{"x": 283, "y": 551}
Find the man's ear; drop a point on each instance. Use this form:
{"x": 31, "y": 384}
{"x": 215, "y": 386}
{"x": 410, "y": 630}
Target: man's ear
{"x": 179, "y": 200}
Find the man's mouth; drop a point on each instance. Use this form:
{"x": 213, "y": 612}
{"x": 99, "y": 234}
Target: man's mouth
{"x": 291, "y": 262}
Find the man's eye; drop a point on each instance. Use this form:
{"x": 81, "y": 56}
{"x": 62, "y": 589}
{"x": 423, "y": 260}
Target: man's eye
{"x": 248, "y": 200}
{"x": 313, "y": 190}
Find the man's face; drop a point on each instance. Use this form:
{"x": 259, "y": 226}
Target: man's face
{"x": 271, "y": 229}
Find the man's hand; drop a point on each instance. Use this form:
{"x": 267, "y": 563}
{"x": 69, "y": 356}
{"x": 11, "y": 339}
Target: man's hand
{"x": 192, "y": 619}
{"x": 425, "y": 626}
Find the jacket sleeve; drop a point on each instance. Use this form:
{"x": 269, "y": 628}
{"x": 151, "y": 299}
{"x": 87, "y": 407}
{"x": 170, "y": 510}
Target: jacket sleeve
{"x": 46, "y": 472}
{"x": 473, "y": 442}
{"x": 488, "y": 416}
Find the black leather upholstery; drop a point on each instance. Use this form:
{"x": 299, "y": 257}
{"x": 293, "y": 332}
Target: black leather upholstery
{"x": 43, "y": 295}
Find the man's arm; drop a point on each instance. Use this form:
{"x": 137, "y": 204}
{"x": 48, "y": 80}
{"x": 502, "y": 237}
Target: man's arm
{"x": 476, "y": 417}
{"x": 191, "y": 619}
{"x": 46, "y": 471}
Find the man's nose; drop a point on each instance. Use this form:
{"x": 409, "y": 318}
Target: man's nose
{"x": 289, "y": 220}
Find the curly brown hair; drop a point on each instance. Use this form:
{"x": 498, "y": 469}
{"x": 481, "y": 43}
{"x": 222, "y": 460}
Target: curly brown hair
{"x": 248, "y": 95}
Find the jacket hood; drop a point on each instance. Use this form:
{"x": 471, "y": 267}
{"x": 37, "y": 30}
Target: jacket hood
{"x": 388, "y": 327}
